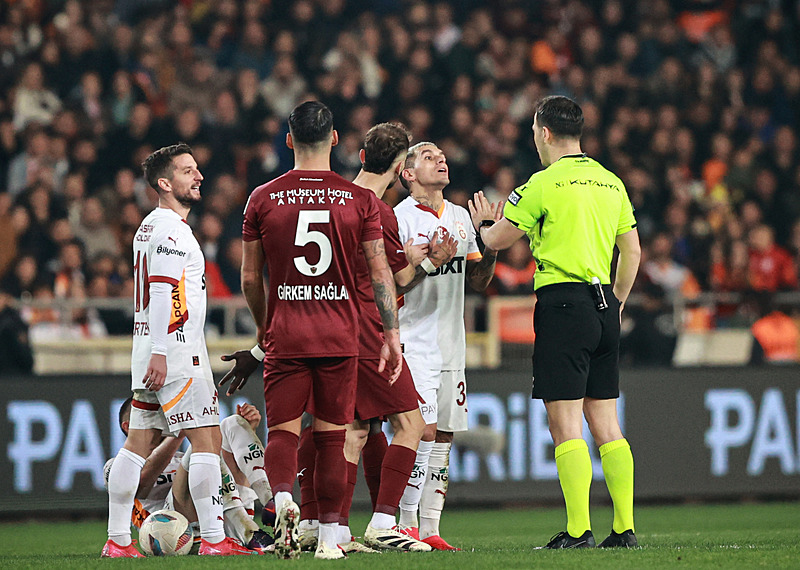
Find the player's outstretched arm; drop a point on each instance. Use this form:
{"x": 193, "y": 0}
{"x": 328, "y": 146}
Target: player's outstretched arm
{"x": 386, "y": 300}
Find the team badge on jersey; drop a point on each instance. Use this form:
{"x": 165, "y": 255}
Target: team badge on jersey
{"x": 461, "y": 231}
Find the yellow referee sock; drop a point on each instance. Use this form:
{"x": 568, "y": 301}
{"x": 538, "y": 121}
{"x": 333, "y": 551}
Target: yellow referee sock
{"x": 618, "y": 469}
{"x": 575, "y": 475}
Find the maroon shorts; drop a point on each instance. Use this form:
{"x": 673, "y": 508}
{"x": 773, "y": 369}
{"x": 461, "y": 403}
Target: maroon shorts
{"x": 375, "y": 398}
{"x": 324, "y": 387}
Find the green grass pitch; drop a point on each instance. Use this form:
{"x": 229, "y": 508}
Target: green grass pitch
{"x": 765, "y": 535}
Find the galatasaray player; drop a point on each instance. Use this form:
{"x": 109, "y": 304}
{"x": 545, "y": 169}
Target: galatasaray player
{"x": 433, "y": 334}
{"x": 163, "y": 482}
{"x": 173, "y": 387}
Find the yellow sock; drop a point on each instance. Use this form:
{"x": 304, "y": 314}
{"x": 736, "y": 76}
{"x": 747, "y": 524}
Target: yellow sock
{"x": 618, "y": 469}
{"x": 575, "y": 475}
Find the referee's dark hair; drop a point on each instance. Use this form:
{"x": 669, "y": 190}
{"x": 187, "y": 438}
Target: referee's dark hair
{"x": 562, "y": 115}
{"x": 310, "y": 123}
{"x": 159, "y": 164}
{"x": 382, "y": 144}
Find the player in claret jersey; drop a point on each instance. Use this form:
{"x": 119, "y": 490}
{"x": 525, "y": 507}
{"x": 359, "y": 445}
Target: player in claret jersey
{"x": 307, "y": 226}
{"x": 383, "y": 157}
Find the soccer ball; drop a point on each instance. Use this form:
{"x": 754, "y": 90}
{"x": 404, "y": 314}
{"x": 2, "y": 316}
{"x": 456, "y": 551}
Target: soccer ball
{"x": 165, "y": 533}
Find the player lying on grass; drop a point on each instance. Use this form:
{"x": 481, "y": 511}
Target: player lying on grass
{"x": 164, "y": 480}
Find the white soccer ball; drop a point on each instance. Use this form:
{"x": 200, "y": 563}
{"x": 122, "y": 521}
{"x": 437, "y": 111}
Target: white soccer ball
{"x": 165, "y": 533}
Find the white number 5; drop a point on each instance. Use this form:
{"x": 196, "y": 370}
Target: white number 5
{"x": 304, "y": 236}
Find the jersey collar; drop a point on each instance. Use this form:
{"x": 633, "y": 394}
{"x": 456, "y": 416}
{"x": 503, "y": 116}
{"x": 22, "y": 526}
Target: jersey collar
{"x": 431, "y": 210}
{"x": 576, "y": 155}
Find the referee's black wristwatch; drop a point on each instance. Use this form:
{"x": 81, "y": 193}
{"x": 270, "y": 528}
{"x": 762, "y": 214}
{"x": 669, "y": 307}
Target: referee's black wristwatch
{"x": 483, "y": 224}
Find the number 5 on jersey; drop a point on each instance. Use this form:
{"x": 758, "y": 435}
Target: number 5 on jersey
{"x": 304, "y": 236}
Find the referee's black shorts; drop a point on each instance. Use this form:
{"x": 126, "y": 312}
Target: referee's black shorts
{"x": 576, "y": 350}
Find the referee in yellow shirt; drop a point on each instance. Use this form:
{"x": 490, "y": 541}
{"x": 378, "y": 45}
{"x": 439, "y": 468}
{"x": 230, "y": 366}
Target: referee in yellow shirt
{"x": 575, "y": 212}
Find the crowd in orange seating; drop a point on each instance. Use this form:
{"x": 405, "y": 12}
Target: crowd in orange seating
{"x": 694, "y": 104}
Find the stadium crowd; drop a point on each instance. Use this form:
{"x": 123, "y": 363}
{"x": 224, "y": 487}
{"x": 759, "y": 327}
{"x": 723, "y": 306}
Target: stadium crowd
{"x": 694, "y": 103}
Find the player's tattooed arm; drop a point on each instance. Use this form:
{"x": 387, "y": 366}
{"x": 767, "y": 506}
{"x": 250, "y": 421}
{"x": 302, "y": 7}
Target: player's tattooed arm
{"x": 480, "y": 273}
{"x": 382, "y": 282}
{"x": 419, "y": 275}
{"x": 386, "y": 300}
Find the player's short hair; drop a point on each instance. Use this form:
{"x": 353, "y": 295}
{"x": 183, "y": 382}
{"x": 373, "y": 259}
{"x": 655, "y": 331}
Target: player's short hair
{"x": 382, "y": 144}
{"x": 310, "y": 123}
{"x": 159, "y": 164}
{"x": 411, "y": 159}
{"x": 124, "y": 409}
{"x": 562, "y": 115}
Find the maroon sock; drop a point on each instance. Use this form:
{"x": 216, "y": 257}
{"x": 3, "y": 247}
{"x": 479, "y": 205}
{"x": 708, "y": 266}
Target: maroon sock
{"x": 372, "y": 455}
{"x": 331, "y": 479}
{"x": 347, "y": 500}
{"x": 280, "y": 460}
{"x": 306, "y": 458}
{"x": 397, "y": 466}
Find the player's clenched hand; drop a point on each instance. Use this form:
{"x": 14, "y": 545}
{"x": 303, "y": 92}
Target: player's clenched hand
{"x": 442, "y": 251}
{"x": 415, "y": 253}
{"x": 250, "y": 413}
{"x": 156, "y": 372}
{"x": 245, "y": 364}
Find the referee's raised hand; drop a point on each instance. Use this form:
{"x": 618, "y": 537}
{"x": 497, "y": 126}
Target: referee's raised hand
{"x": 481, "y": 209}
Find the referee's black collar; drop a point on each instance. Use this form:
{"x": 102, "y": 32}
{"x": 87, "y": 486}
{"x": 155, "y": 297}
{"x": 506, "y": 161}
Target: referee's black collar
{"x": 576, "y": 155}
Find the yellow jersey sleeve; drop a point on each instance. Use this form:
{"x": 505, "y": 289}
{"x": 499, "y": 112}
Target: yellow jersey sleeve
{"x": 524, "y": 207}
{"x": 627, "y": 221}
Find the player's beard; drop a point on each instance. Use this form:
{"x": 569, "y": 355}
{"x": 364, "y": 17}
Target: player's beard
{"x": 188, "y": 199}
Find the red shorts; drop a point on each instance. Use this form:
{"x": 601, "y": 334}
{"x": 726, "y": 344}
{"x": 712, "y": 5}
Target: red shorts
{"x": 324, "y": 387}
{"x": 375, "y": 398}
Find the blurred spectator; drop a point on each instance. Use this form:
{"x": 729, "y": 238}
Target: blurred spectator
{"x": 28, "y": 166}
{"x": 33, "y": 102}
{"x": 23, "y": 278}
{"x": 94, "y": 231}
{"x": 8, "y": 237}
{"x": 730, "y": 266}
{"x": 70, "y": 280}
{"x": 16, "y": 356}
{"x": 649, "y": 333}
{"x": 513, "y": 274}
{"x": 662, "y": 270}
{"x": 284, "y": 86}
{"x": 777, "y": 334}
{"x": 771, "y": 267}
